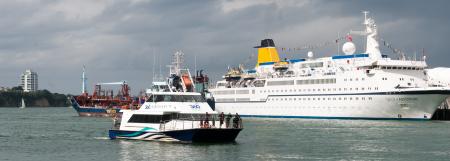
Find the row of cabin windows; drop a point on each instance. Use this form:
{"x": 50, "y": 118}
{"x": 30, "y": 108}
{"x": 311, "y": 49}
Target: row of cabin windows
{"x": 402, "y": 68}
{"x": 402, "y": 79}
{"x": 356, "y": 79}
{"x": 319, "y": 99}
{"x": 301, "y": 82}
{"x": 146, "y": 118}
{"x": 320, "y": 90}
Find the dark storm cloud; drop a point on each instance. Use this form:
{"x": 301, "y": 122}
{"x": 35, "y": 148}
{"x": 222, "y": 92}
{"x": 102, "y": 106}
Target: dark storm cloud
{"x": 117, "y": 40}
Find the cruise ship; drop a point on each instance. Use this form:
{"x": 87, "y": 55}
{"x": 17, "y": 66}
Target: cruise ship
{"x": 367, "y": 85}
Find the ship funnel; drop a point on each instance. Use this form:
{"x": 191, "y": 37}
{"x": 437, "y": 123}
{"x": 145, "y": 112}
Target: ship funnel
{"x": 267, "y": 53}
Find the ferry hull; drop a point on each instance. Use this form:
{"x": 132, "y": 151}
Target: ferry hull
{"x": 380, "y": 106}
{"x": 187, "y": 135}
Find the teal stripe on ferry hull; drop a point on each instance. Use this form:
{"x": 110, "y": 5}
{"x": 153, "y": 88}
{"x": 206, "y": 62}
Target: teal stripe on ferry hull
{"x": 340, "y": 118}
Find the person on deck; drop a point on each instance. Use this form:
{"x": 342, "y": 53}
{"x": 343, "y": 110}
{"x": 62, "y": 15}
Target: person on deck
{"x": 227, "y": 122}
{"x": 221, "y": 118}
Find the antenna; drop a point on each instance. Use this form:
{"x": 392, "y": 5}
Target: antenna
{"x": 365, "y": 16}
{"x": 153, "y": 65}
{"x": 83, "y": 78}
{"x": 195, "y": 62}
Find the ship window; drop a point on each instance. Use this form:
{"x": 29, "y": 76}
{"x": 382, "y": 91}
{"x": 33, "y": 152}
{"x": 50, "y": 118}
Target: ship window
{"x": 389, "y": 67}
{"x": 350, "y": 89}
{"x": 404, "y": 68}
{"x": 394, "y": 67}
{"x": 356, "y": 88}
{"x": 139, "y": 118}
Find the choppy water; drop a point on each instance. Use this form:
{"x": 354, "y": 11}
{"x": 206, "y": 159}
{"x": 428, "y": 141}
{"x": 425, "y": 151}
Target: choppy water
{"x": 58, "y": 134}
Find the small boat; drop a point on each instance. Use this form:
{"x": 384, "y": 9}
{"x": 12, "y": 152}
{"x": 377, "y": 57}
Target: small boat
{"x": 174, "y": 112}
{"x": 22, "y": 104}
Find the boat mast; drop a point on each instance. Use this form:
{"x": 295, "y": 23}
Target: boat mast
{"x": 84, "y": 79}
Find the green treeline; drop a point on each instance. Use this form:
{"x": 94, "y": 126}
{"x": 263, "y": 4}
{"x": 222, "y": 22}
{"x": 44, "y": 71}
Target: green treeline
{"x": 41, "y": 98}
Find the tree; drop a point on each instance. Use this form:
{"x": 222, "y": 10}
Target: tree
{"x": 18, "y": 88}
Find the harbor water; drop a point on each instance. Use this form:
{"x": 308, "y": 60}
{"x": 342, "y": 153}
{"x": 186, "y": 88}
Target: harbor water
{"x": 59, "y": 134}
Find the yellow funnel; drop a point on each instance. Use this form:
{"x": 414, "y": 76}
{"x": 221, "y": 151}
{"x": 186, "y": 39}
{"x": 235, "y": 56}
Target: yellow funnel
{"x": 267, "y": 53}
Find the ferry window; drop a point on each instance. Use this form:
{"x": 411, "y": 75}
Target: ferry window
{"x": 383, "y": 67}
{"x": 150, "y": 99}
{"x": 394, "y": 67}
{"x": 389, "y": 67}
{"x": 192, "y": 98}
{"x": 158, "y": 98}
{"x": 409, "y": 68}
{"x": 339, "y": 89}
{"x": 350, "y": 98}
{"x": 329, "y": 98}
{"x": 404, "y": 68}
{"x": 339, "y": 98}
{"x": 139, "y": 118}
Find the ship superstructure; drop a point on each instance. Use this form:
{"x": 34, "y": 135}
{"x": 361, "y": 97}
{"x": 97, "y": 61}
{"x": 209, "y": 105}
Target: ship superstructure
{"x": 365, "y": 85}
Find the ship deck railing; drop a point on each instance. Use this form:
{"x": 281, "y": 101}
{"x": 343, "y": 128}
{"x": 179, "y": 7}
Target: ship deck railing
{"x": 195, "y": 123}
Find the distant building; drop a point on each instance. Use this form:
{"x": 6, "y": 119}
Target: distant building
{"x": 29, "y": 81}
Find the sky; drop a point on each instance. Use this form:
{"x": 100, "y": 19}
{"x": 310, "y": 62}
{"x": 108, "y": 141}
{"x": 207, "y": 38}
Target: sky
{"x": 133, "y": 39}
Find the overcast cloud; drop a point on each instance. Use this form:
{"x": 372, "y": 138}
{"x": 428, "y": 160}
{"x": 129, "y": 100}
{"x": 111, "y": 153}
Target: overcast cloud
{"x": 116, "y": 39}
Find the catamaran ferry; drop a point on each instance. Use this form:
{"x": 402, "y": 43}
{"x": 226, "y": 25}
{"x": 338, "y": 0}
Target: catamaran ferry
{"x": 174, "y": 112}
{"x": 365, "y": 85}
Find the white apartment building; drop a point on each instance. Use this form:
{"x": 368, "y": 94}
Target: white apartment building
{"x": 29, "y": 81}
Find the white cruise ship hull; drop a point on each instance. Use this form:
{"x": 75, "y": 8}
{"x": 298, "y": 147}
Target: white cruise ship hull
{"x": 383, "y": 105}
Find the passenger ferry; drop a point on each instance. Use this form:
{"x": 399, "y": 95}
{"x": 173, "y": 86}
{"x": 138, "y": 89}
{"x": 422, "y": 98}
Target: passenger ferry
{"x": 175, "y": 113}
{"x": 365, "y": 85}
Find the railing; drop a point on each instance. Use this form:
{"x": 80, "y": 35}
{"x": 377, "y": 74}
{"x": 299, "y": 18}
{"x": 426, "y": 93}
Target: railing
{"x": 193, "y": 122}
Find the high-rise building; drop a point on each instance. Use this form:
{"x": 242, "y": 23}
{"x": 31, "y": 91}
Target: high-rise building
{"x": 29, "y": 81}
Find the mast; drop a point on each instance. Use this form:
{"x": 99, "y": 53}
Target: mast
{"x": 84, "y": 79}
